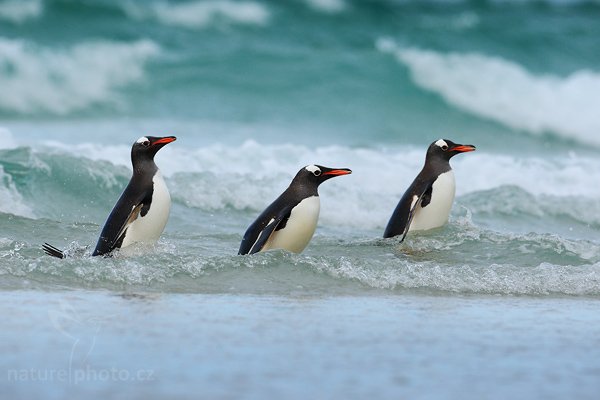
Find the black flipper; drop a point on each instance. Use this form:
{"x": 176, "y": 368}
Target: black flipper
{"x": 423, "y": 200}
{"x": 261, "y": 230}
{"x": 404, "y": 213}
{"x": 126, "y": 211}
{"x": 135, "y": 213}
{"x": 53, "y": 251}
{"x": 106, "y": 246}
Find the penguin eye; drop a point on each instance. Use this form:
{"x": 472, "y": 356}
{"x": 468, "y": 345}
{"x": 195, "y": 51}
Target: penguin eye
{"x": 317, "y": 172}
{"x": 146, "y": 143}
{"x": 444, "y": 147}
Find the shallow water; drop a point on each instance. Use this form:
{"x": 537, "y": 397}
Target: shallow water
{"x": 82, "y": 343}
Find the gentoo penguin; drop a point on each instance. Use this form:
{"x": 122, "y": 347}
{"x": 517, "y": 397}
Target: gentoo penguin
{"x": 290, "y": 221}
{"x": 427, "y": 202}
{"x": 142, "y": 211}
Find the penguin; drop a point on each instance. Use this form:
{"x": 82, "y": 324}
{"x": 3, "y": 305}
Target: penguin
{"x": 291, "y": 220}
{"x": 427, "y": 202}
{"x": 142, "y": 211}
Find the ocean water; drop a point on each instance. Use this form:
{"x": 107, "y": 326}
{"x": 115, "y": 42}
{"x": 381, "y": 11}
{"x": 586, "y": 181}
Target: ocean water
{"x": 502, "y": 301}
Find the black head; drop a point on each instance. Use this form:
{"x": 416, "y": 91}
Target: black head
{"x": 444, "y": 149}
{"x": 314, "y": 175}
{"x": 146, "y": 147}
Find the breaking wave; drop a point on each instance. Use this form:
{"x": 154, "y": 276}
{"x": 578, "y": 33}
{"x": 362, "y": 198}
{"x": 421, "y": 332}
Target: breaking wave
{"x": 244, "y": 177}
{"x": 61, "y": 81}
{"x": 503, "y": 91}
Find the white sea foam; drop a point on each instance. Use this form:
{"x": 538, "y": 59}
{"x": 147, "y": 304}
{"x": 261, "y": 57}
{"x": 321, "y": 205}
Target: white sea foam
{"x": 19, "y": 11}
{"x": 200, "y": 14}
{"x": 503, "y": 91}
{"x": 327, "y": 6}
{"x": 60, "y": 81}
{"x": 544, "y": 279}
{"x": 11, "y": 201}
{"x": 251, "y": 175}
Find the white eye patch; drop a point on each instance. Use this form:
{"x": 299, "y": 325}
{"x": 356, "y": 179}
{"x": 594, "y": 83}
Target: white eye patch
{"x": 142, "y": 139}
{"x": 441, "y": 143}
{"x": 313, "y": 169}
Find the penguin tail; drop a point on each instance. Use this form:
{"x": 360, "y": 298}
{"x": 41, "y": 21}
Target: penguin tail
{"x": 53, "y": 251}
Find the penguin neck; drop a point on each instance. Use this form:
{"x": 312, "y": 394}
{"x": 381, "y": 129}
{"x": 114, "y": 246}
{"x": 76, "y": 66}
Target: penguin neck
{"x": 143, "y": 167}
{"x": 436, "y": 165}
{"x": 303, "y": 189}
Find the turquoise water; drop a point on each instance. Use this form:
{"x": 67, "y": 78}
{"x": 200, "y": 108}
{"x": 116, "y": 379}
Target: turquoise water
{"x": 254, "y": 90}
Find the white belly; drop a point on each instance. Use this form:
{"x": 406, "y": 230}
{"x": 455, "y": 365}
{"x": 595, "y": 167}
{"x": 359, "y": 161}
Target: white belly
{"x": 436, "y": 213}
{"x": 147, "y": 229}
{"x": 299, "y": 229}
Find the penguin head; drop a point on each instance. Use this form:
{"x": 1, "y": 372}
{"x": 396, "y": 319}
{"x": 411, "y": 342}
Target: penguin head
{"x": 146, "y": 147}
{"x": 317, "y": 174}
{"x": 446, "y": 149}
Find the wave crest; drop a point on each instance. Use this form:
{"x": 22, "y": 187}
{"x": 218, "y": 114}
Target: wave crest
{"x": 37, "y": 79}
{"x": 247, "y": 177}
{"x": 503, "y": 91}
{"x": 11, "y": 201}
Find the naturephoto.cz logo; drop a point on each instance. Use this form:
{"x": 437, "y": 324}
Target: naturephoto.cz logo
{"x": 78, "y": 375}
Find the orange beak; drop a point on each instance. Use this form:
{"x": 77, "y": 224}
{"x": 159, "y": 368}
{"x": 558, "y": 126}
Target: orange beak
{"x": 336, "y": 172}
{"x": 165, "y": 140}
{"x": 463, "y": 148}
